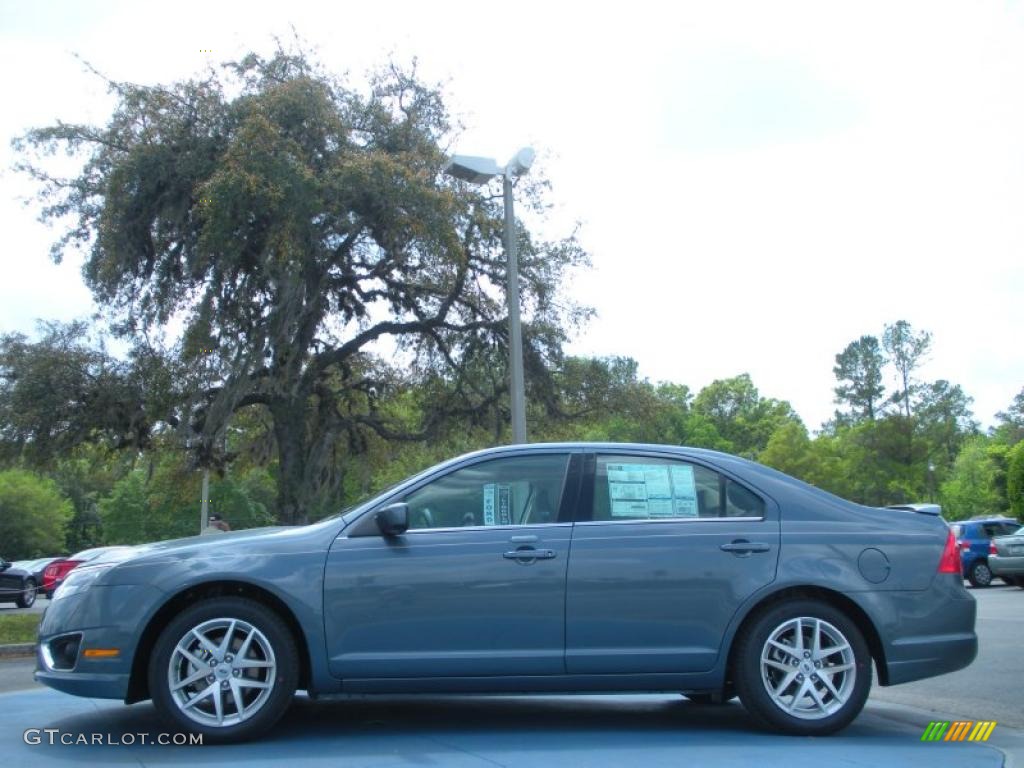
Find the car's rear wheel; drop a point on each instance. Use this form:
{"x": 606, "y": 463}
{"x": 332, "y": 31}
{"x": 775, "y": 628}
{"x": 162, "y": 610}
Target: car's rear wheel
{"x": 980, "y": 575}
{"x": 28, "y": 596}
{"x": 802, "y": 667}
{"x": 226, "y": 668}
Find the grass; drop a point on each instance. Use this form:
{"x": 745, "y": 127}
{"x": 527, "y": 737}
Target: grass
{"x": 19, "y": 628}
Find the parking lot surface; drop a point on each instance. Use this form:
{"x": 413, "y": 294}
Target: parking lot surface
{"x": 484, "y": 731}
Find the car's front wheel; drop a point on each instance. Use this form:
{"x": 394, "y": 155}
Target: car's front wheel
{"x": 226, "y": 668}
{"x": 803, "y": 667}
{"x": 28, "y": 595}
{"x": 980, "y": 575}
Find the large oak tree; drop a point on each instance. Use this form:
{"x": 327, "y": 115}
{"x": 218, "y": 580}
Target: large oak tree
{"x": 290, "y": 223}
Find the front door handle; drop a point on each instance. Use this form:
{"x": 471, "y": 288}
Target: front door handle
{"x": 528, "y": 554}
{"x": 742, "y": 547}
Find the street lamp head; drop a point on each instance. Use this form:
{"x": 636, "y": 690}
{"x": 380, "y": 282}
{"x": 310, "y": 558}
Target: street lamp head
{"x": 476, "y": 170}
{"x": 521, "y": 162}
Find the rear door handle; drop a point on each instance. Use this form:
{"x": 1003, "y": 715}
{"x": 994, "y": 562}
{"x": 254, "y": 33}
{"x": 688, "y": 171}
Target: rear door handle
{"x": 530, "y": 554}
{"x": 742, "y": 547}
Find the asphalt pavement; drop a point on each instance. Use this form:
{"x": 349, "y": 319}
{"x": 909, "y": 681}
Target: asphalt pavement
{"x": 594, "y": 731}
{"x": 37, "y": 607}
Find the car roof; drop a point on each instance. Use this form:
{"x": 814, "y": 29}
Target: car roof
{"x": 599, "y": 446}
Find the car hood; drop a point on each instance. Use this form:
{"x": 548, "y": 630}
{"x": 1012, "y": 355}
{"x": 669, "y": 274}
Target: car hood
{"x": 197, "y": 544}
{"x": 268, "y": 539}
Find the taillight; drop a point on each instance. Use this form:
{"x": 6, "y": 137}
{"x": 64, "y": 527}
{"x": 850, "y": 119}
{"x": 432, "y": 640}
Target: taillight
{"x": 49, "y": 576}
{"x": 992, "y": 548}
{"x": 950, "y": 560}
{"x": 965, "y": 546}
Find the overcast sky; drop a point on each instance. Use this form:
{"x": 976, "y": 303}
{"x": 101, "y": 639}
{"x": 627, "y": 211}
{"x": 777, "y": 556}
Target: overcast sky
{"x": 758, "y": 183}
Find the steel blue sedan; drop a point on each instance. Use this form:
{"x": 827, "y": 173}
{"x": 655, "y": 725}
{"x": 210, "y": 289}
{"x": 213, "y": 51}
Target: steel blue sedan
{"x": 562, "y": 568}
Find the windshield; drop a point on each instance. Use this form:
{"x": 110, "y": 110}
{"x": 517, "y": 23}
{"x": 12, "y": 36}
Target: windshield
{"x": 365, "y": 498}
{"x": 382, "y": 492}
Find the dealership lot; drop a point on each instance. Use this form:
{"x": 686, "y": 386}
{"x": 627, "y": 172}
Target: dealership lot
{"x": 479, "y": 731}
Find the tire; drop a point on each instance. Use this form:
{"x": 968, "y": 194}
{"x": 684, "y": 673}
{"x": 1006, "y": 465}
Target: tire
{"x": 264, "y": 676}
{"x": 980, "y": 575}
{"x": 803, "y": 700}
{"x": 27, "y": 598}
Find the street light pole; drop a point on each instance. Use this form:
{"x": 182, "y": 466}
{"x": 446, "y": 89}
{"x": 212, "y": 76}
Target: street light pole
{"x": 517, "y": 384}
{"x": 480, "y": 170}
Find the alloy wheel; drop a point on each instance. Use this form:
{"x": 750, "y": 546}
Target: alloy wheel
{"x": 221, "y": 672}
{"x": 808, "y": 668}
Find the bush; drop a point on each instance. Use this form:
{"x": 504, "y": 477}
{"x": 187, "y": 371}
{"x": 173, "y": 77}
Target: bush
{"x": 33, "y": 514}
{"x": 1015, "y": 480}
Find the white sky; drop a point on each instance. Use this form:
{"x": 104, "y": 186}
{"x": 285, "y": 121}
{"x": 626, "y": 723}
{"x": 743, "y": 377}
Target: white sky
{"x": 758, "y": 183}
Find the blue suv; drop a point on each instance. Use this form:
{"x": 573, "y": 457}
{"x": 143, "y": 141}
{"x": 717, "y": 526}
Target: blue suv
{"x": 974, "y": 538}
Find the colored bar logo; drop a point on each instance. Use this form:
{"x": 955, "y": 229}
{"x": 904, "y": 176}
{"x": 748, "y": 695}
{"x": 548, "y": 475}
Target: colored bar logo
{"x": 958, "y": 730}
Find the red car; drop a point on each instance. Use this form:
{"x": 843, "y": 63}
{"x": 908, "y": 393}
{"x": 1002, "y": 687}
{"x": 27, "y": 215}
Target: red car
{"x": 56, "y": 571}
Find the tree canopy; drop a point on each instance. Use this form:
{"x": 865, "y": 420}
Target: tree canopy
{"x": 290, "y": 223}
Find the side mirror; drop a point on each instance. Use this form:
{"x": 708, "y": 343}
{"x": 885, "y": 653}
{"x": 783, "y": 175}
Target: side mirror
{"x": 4, "y": 565}
{"x": 393, "y": 520}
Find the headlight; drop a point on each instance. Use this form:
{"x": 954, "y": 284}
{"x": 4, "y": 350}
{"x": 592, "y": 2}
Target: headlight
{"x": 80, "y": 579}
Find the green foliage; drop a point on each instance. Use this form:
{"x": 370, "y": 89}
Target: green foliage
{"x": 744, "y": 420}
{"x": 32, "y": 515}
{"x": 1015, "y": 480}
{"x": 86, "y": 475}
{"x": 971, "y": 487}
{"x": 858, "y": 369}
{"x": 64, "y": 389}
{"x": 162, "y": 501}
{"x": 944, "y": 419}
{"x": 906, "y": 350}
{"x": 126, "y": 513}
{"x": 1010, "y": 429}
{"x": 789, "y": 451}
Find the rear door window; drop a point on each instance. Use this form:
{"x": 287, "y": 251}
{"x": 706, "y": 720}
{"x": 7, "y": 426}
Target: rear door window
{"x": 648, "y": 488}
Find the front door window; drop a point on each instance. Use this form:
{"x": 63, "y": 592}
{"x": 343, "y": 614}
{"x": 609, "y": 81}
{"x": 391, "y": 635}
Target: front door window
{"x": 519, "y": 490}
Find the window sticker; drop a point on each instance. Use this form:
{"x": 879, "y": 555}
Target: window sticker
{"x": 651, "y": 490}
{"x": 639, "y": 490}
{"x": 684, "y": 491}
{"x": 497, "y": 504}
